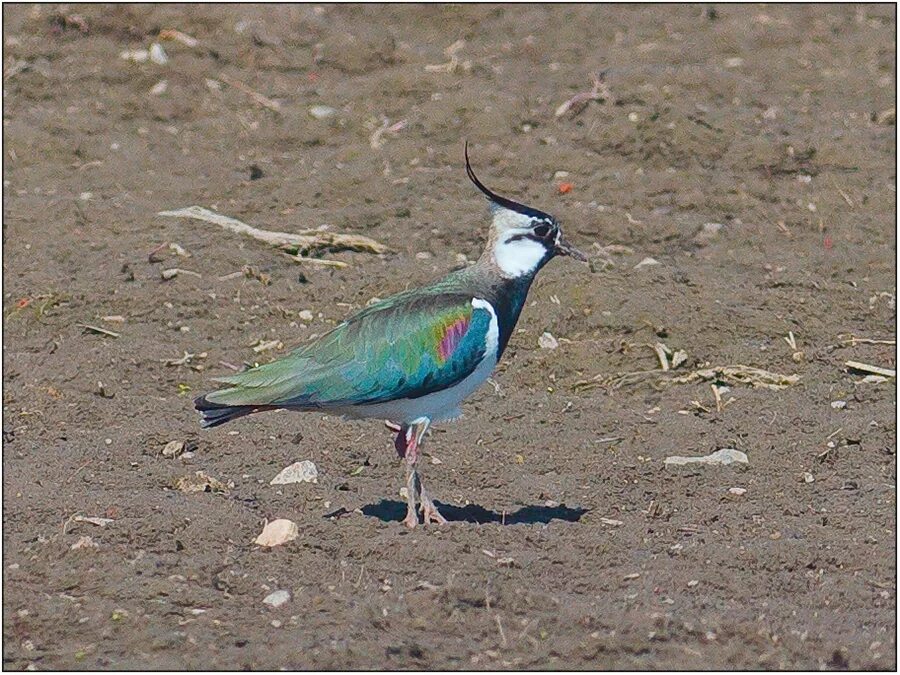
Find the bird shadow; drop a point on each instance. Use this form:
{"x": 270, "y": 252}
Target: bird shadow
{"x": 389, "y": 510}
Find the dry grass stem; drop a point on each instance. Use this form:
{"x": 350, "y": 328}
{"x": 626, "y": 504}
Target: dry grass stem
{"x": 731, "y": 375}
{"x": 869, "y": 368}
{"x": 258, "y": 98}
{"x": 303, "y": 242}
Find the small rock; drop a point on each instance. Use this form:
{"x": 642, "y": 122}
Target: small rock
{"x": 559, "y": 175}
{"x": 839, "y": 405}
{"x": 737, "y": 491}
{"x": 93, "y": 520}
{"x": 159, "y": 88}
{"x": 298, "y": 472}
{"x": 722, "y": 457}
{"x": 886, "y": 117}
{"x": 305, "y": 315}
{"x": 873, "y": 379}
{"x": 612, "y": 522}
{"x": 173, "y": 449}
{"x": 708, "y": 232}
{"x": 734, "y": 62}
{"x": 808, "y": 477}
{"x": 692, "y": 583}
{"x": 84, "y": 542}
{"x": 646, "y": 262}
{"x": 199, "y": 482}
{"x": 158, "y": 54}
{"x": 136, "y": 55}
{"x": 277, "y": 598}
{"x": 277, "y": 532}
{"x": 547, "y": 341}
{"x": 321, "y": 112}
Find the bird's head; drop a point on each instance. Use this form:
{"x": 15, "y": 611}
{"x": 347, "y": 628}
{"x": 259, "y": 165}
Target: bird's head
{"x": 522, "y": 239}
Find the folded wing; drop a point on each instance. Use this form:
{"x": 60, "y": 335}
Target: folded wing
{"x": 401, "y": 348}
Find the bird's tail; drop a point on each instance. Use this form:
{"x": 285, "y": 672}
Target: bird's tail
{"x": 214, "y": 414}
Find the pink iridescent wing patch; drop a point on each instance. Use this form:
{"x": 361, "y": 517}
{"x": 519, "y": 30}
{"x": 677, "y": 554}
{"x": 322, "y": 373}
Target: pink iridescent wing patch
{"x": 453, "y": 335}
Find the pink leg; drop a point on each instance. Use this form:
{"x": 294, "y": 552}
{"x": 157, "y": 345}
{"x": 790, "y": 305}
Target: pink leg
{"x": 407, "y": 444}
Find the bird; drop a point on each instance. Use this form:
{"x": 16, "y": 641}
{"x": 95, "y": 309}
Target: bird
{"x": 411, "y": 358}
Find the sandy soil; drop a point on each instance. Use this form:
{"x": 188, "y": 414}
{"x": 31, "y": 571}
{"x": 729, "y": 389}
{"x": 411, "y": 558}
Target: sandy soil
{"x": 574, "y": 545}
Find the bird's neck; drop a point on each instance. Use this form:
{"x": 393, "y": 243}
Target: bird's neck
{"x": 506, "y": 294}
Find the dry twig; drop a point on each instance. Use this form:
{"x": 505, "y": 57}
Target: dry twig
{"x": 302, "y": 242}
{"x": 599, "y": 92}
{"x": 264, "y": 101}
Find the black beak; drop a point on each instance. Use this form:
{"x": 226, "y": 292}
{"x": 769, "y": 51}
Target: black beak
{"x": 565, "y": 248}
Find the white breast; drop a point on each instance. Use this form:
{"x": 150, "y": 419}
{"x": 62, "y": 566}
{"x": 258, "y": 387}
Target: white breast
{"x": 444, "y": 404}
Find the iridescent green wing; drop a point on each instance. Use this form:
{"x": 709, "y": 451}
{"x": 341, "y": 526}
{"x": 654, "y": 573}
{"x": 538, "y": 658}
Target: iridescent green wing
{"x": 404, "y": 347}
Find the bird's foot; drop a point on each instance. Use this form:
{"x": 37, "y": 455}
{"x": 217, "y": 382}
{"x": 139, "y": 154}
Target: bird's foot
{"x": 411, "y": 519}
{"x": 430, "y": 514}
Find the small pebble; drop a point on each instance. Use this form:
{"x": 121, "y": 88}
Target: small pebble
{"x": 277, "y": 598}
{"x": 547, "y": 341}
{"x": 646, "y": 262}
{"x": 737, "y": 491}
{"x": 298, "y": 472}
{"x": 158, "y": 54}
{"x": 321, "y": 112}
{"x": 839, "y": 405}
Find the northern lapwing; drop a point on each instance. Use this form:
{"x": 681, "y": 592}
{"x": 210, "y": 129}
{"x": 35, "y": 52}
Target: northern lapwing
{"x": 412, "y": 358}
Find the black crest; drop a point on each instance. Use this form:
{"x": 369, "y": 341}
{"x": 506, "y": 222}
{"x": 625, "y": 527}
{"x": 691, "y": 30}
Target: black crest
{"x": 503, "y": 201}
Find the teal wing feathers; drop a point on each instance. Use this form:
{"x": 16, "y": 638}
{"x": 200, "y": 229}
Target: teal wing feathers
{"x": 404, "y": 347}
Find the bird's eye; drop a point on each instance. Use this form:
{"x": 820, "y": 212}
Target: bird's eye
{"x": 542, "y": 230}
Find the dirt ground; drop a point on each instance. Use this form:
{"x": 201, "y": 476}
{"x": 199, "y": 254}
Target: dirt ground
{"x": 748, "y": 150}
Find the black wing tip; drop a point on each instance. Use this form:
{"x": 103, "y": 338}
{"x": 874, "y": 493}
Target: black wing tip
{"x": 214, "y": 414}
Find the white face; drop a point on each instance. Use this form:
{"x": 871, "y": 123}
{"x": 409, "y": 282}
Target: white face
{"x": 518, "y": 257}
{"x": 515, "y": 254}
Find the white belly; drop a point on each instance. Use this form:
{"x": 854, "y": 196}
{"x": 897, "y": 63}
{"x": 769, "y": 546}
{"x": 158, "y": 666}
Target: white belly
{"x": 440, "y": 405}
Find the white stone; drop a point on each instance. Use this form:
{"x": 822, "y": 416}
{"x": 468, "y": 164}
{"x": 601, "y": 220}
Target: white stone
{"x": 298, "y": 472}
{"x": 722, "y": 457}
{"x": 547, "y": 341}
{"x": 158, "y": 54}
{"x": 646, "y": 262}
{"x": 277, "y": 532}
{"x": 277, "y": 598}
{"x": 321, "y": 112}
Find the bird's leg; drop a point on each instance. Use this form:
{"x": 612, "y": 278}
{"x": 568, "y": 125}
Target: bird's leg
{"x": 429, "y": 510}
{"x": 407, "y": 445}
